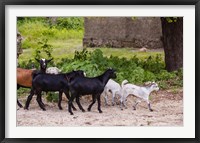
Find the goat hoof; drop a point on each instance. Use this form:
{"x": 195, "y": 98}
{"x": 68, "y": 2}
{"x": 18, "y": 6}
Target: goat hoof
{"x": 89, "y": 109}
{"x": 25, "y": 108}
{"x": 151, "y": 110}
{"x": 74, "y": 109}
{"x": 60, "y": 108}
{"x": 122, "y": 109}
{"x": 71, "y": 113}
{"x": 83, "y": 110}
{"x": 100, "y": 111}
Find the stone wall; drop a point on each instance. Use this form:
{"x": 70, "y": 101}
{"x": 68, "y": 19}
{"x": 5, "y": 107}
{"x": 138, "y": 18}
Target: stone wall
{"x": 123, "y": 32}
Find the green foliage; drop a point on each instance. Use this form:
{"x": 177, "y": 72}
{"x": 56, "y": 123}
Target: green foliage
{"x": 135, "y": 70}
{"x": 33, "y": 29}
{"x": 75, "y": 23}
{"x": 23, "y": 91}
{"x": 82, "y": 55}
{"x": 43, "y": 50}
{"x": 52, "y": 97}
{"x": 153, "y": 64}
{"x": 171, "y": 19}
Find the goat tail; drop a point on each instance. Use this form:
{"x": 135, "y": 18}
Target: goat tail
{"x": 124, "y": 82}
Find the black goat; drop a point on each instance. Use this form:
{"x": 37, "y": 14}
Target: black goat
{"x": 25, "y": 76}
{"x": 84, "y": 86}
{"x": 51, "y": 82}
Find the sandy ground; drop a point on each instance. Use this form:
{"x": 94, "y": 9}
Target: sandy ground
{"x": 167, "y": 106}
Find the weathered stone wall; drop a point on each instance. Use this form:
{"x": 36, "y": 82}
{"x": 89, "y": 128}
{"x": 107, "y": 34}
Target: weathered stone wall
{"x": 123, "y": 32}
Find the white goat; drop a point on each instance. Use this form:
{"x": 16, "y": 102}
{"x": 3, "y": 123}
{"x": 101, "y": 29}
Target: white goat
{"x": 53, "y": 70}
{"x": 114, "y": 88}
{"x": 142, "y": 92}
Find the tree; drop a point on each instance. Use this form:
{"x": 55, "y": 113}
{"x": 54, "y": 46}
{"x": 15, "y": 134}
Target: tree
{"x": 172, "y": 30}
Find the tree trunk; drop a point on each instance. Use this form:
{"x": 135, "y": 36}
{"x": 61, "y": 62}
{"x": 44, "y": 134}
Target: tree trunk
{"x": 173, "y": 43}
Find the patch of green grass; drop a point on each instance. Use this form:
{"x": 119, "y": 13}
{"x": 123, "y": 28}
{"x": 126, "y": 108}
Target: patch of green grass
{"x": 34, "y": 31}
{"x": 66, "y": 49}
{"x": 126, "y": 52}
{"x": 61, "y": 49}
{"x": 23, "y": 91}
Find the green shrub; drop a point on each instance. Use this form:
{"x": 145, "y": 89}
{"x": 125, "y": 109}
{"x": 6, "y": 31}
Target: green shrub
{"x": 153, "y": 64}
{"x": 52, "y": 97}
{"x": 134, "y": 70}
{"x": 75, "y": 23}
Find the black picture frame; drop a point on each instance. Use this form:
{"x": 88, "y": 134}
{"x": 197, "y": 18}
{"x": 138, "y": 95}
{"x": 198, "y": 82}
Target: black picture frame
{"x": 3, "y": 3}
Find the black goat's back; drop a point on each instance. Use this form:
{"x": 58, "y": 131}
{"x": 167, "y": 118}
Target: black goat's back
{"x": 50, "y": 82}
{"x": 84, "y": 85}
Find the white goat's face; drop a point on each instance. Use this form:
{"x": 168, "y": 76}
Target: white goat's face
{"x": 154, "y": 86}
{"x": 43, "y": 63}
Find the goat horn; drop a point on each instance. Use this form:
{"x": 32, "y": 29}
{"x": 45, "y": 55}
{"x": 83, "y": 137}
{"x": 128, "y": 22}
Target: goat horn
{"x": 50, "y": 60}
{"x": 37, "y": 60}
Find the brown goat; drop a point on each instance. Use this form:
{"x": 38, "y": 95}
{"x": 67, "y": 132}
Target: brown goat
{"x": 25, "y": 76}
{"x": 24, "y": 79}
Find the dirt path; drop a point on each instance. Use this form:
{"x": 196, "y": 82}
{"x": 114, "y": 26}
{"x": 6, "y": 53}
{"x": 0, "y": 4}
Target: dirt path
{"x": 167, "y": 105}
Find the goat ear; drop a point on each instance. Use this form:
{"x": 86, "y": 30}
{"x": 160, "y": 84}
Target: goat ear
{"x": 49, "y": 60}
{"x": 37, "y": 60}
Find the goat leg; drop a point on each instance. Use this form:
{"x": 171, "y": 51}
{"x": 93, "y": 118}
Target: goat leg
{"x": 124, "y": 104}
{"x": 68, "y": 97}
{"x": 106, "y": 99}
{"x": 134, "y": 106}
{"x": 29, "y": 99}
{"x": 150, "y": 109}
{"x": 113, "y": 99}
{"x": 40, "y": 101}
{"x": 99, "y": 103}
{"x": 70, "y": 105}
{"x": 93, "y": 101}
{"x": 121, "y": 106}
{"x": 121, "y": 103}
{"x": 59, "y": 101}
{"x": 79, "y": 105}
{"x": 19, "y": 104}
